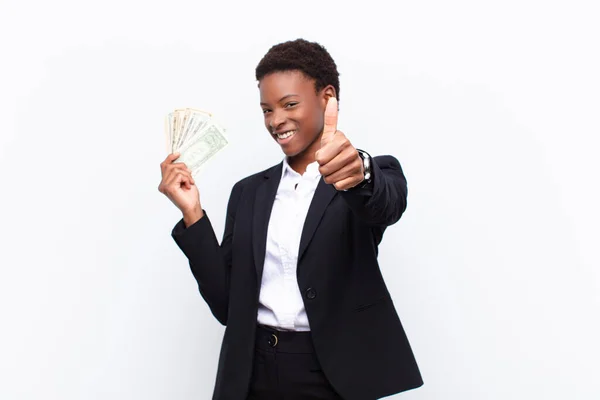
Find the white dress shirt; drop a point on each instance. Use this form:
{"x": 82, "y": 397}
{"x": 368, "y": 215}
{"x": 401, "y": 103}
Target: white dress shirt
{"x": 280, "y": 300}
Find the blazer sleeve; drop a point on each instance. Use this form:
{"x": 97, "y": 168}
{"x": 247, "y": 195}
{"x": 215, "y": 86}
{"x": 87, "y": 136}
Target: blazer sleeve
{"x": 210, "y": 262}
{"x": 383, "y": 201}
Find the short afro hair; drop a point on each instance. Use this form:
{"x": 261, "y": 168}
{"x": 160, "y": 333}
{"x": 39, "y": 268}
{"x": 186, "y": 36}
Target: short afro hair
{"x": 309, "y": 57}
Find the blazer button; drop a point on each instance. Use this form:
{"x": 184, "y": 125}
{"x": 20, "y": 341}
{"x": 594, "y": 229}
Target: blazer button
{"x": 311, "y": 293}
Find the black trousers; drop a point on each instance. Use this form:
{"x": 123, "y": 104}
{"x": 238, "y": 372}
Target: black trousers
{"x": 286, "y": 368}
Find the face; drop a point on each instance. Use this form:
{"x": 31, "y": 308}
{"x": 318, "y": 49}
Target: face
{"x": 293, "y": 111}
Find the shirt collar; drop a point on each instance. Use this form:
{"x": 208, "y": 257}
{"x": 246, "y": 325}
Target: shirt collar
{"x": 312, "y": 170}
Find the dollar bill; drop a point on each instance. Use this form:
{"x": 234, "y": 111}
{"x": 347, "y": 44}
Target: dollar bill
{"x": 186, "y": 115}
{"x": 201, "y": 147}
{"x": 194, "y": 126}
{"x": 179, "y": 121}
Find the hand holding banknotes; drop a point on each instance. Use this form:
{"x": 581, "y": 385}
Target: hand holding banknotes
{"x": 192, "y": 138}
{"x": 179, "y": 186}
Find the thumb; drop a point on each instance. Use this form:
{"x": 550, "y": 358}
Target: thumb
{"x": 331, "y": 117}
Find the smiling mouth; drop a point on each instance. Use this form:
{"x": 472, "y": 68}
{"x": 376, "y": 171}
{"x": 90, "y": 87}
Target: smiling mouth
{"x": 285, "y": 135}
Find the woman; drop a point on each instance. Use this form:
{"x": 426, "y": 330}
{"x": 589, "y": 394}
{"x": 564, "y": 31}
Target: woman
{"x": 295, "y": 279}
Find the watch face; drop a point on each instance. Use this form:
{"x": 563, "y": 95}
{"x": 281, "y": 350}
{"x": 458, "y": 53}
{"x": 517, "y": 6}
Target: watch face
{"x": 366, "y": 158}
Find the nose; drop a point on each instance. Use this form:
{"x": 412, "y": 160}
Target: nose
{"x": 277, "y": 120}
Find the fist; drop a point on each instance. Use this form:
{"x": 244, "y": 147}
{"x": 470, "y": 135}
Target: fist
{"x": 178, "y": 185}
{"x": 339, "y": 162}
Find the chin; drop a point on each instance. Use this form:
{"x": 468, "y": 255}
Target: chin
{"x": 290, "y": 152}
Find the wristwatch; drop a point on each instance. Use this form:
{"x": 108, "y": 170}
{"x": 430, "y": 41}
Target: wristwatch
{"x": 367, "y": 161}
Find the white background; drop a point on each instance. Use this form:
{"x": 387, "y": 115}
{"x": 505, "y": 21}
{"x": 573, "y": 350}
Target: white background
{"x": 491, "y": 107}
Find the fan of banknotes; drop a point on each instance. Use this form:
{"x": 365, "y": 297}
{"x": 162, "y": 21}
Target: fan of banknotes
{"x": 196, "y": 135}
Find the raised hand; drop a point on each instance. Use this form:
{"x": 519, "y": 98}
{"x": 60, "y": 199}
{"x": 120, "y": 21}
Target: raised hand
{"x": 179, "y": 186}
{"x": 339, "y": 162}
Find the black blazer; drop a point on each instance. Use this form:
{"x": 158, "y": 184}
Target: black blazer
{"x": 358, "y": 337}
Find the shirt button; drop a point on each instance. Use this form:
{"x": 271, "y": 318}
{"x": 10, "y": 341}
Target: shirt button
{"x": 311, "y": 293}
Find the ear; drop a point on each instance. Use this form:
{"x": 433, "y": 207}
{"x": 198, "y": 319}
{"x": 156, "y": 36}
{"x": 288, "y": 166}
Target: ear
{"x": 326, "y": 93}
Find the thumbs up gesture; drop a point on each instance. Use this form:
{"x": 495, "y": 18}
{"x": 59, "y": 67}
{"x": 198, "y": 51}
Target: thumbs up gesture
{"x": 339, "y": 162}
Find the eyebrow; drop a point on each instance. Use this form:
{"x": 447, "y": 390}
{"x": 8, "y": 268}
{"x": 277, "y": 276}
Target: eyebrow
{"x": 281, "y": 99}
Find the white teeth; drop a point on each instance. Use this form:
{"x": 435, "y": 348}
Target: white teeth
{"x": 285, "y": 135}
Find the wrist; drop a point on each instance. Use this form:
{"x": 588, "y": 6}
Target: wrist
{"x": 367, "y": 161}
{"x": 192, "y": 216}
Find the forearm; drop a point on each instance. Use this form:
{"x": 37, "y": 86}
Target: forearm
{"x": 209, "y": 262}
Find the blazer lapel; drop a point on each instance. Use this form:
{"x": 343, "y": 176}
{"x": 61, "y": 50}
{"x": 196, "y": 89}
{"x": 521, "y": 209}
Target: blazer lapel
{"x": 323, "y": 196}
{"x": 263, "y": 204}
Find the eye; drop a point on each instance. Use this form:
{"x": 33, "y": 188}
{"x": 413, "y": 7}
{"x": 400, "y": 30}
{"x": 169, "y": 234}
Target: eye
{"x": 265, "y": 110}
{"x": 291, "y": 104}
